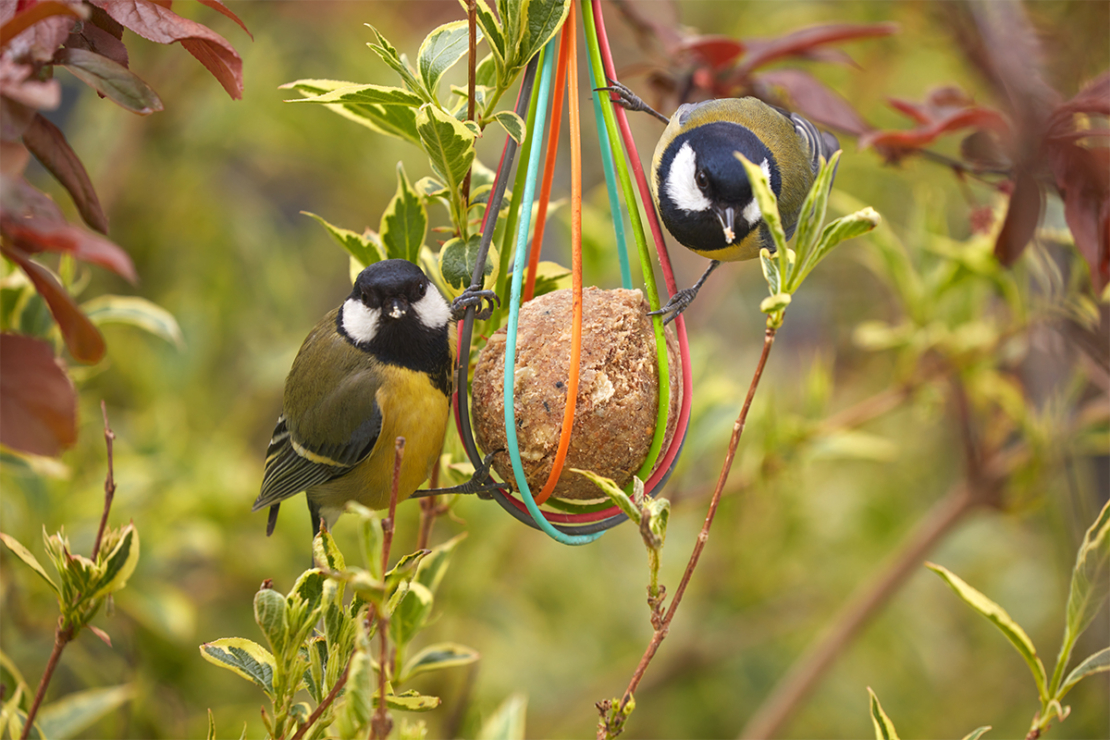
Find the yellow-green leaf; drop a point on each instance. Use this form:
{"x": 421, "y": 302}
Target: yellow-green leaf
{"x": 361, "y": 247}
{"x": 977, "y": 733}
{"x": 1000, "y": 619}
{"x": 512, "y": 123}
{"x": 405, "y": 221}
{"x": 884, "y": 728}
{"x": 69, "y": 716}
{"x": 364, "y": 95}
{"x": 610, "y": 488}
{"x": 243, "y": 657}
{"x": 439, "y": 656}
{"x": 448, "y": 142}
{"x": 507, "y": 723}
{"x": 25, "y": 555}
{"x": 137, "y": 312}
{"x": 120, "y": 563}
{"x": 1097, "y": 663}
{"x": 441, "y": 49}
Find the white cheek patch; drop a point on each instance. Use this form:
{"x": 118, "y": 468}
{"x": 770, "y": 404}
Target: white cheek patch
{"x": 751, "y": 212}
{"x": 360, "y": 322}
{"x": 432, "y": 310}
{"x": 681, "y": 187}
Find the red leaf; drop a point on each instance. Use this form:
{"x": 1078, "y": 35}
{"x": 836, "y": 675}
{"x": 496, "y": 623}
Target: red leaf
{"x": 17, "y": 85}
{"x": 101, "y": 634}
{"x": 817, "y": 102}
{"x": 975, "y": 117}
{"x": 91, "y": 37}
{"x": 801, "y": 42}
{"x": 38, "y": 405}
{"x": 1083, "y": 178}
{"x": 1021, "y": 219}
{"x": 715, "y": 52}
{"x": 50, "y": 33}
{"x": 49, "y": 145}
{"x": 219, "y": 7}
{"x": 82, "y": 338}
{"x": 163, "y": 26}
{"x": 37, "y": 235}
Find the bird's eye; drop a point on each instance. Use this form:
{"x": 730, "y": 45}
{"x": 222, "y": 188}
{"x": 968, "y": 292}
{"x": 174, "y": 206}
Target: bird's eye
{"x": 370, "y": 298}
{"x": 418, "y": 291}
{"x": 701, "y": 179}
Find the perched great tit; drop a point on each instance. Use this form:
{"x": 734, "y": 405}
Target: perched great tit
{"x": 374, "y": 369}
{"x": 701, "y": 189}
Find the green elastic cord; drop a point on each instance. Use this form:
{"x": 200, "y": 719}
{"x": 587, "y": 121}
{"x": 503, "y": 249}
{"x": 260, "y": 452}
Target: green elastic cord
{"x": 598, "y": 73}
{"x": 611, "y": 182}
{"x": 535, "y": 135}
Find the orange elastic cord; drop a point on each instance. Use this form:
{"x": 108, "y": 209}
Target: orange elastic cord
{"x": 575, "y": 131}
{"x": 565, "y": 41}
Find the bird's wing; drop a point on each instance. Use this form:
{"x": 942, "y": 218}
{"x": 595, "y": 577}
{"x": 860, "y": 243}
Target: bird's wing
{"x": 339, "y": 421}
{"x": 818, "y": 144}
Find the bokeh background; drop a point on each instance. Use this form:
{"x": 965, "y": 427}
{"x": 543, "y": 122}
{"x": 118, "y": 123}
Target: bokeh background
{"x": 206, "y": 197}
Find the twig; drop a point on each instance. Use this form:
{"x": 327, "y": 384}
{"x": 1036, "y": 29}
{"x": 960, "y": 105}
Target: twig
{"x": 429, "y": 510}
{"x": 312, "y": 718}
{"x": 62, "y": 637}
{"x": 808, "y": 670}
{"x": 109, "y": 483}
{"x": 737, "y": 429}
{"x": 381, "y": 724}
{"x": 471, "y": 80}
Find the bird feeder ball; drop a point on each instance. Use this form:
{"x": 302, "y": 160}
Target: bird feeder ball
{"x": 618, "y": 390}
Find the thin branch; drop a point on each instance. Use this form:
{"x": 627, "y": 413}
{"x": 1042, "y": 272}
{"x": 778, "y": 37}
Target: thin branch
{"x": 471, "y": 80}
{"x": 109, "y": 483}
{"x": 381, "y": 724}
{"x": 62, "y": 637}
{"x": 737, "y": 429}
{"x": 784, "y": 699}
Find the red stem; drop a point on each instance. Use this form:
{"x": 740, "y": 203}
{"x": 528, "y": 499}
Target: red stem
{"x": 62, "y": 637}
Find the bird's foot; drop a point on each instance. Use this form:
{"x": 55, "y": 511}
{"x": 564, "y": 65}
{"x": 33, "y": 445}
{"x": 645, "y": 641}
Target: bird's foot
{"x": 678, "y": 303}
{"x": 474, "y": 297}
{"x": 629, "y": 100}
{"x": 479, "y": 483}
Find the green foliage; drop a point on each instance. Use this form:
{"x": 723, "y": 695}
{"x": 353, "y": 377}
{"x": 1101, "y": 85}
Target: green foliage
{"x": 884, "y": 728}
{"x": 1087, "y": 595}
{"x": 302, "y": 656}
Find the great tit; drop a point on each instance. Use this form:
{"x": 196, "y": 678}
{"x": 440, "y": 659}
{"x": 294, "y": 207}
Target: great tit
{"x": 701, "y": 190}
{"x": 374, "y": 369}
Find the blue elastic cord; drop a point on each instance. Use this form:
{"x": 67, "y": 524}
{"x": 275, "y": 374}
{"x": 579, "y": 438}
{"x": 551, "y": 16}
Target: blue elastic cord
{"x": 611, "y": 183}
{"x": 536, "y": 138}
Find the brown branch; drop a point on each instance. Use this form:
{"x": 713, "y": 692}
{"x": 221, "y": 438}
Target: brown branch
{"x": 737, "y": 429}
{"x": 381, "y": 724}
{"x": 471, "y": 81}
{"x": 62, "y": 637}
{"x": 109, "y": 483}
{"x": 783, "y": 701}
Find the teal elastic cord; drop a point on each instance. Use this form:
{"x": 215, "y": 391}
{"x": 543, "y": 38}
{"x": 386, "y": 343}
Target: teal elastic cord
{"x": 611, "y": 182}
{"x": 536, "y": 138}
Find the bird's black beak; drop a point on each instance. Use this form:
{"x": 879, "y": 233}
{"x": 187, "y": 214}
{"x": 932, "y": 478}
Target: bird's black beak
{"x": 727, "y": 217}
{"x": 395, "y": 308}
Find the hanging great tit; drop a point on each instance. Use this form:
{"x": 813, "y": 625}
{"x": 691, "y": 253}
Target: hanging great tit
{"x": 701, "y": 189}
{"x": 374, "y": 369}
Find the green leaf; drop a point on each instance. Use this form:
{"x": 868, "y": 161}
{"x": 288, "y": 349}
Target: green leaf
{"x": 507, "y": 723}
{"x": 137, "y": 312}
{"x": 211, "y": 725}
{"x": 119, "y": 564}
{"x": 884, "y": 728}
{"x": 358, "y": 706}
{"x": 111, "y": 79}
{"x": 442, "y": 48}
{"x": 241, "y": 656}
{"x": 813, "y": 210}
{"x": 457, "y": 261}
{"x": 25, "y": 555}
{"x": 659, "y": 516}
{"x": 610, "y": 488}
{"x": 272, "y": 616}
{"x": 852, "y": 444}
{"x": 998, "y": 616}
{"x": 389, "y": 55}
{"x": 776, "y": 302}
{"x": 405, "y": 221}
{"x": 977, "y": 733}
{"x": 392, "y": 120}
{"x": 542, "y": 20}
{"x": 512, "y": 28}
{"x": 325, "y": 553}
{"x": 1097, "y": 663}
{"x": 438, "y": 656}
{"x": 70, "y": 715}
{"x": 11, "y": 716}
{"x": 840, "y": 230}
{"x": 449, "y": 144}
{"x": 410, "y": 701}
{"x": 1089, "y": 583}
{"x": 310, "y": 587}
{"x": 370, "y": 536}
{"x": 411, "y": 614}
{"x": 403, "y": 569}
{"x": 768, "y": 205}
{"x": 512, "y": 123}
{"x": 361, "y": 247}
{"x": 432, "y": 568}
{"x": 364, "y": 95}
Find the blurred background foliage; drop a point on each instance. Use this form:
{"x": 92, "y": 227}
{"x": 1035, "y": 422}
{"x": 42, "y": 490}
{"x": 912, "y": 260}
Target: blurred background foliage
{"x": 206, "y": 197}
